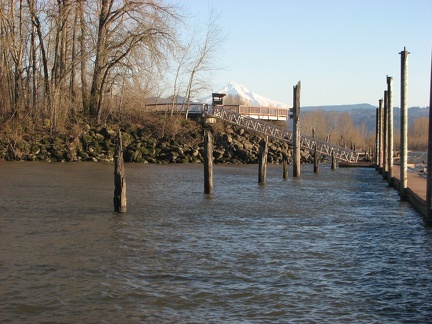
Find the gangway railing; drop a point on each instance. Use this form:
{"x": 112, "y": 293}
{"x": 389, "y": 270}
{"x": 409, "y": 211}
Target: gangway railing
{"x": 277, "y": 132}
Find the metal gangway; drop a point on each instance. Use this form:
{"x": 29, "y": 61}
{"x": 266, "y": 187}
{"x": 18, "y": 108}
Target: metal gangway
{"x": 277, "y": 132}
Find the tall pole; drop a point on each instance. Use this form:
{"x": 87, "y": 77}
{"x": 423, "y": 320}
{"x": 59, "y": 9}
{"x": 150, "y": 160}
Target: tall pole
{"x": 119, "y": 178}
{"x": 285, "y": 168}
{"x": 208, "y": 162}
{"x": 377, "y": 139}
{"x": 385, "y": 137}
{"x": 381, "y": 135}
{"x": 262, "y": 163}
{"x": 296, "y": 139}
{"x": 428, "y": 216}
{"x": 404, "y": 127}
{"x": 333, "y": 160}
{"x": 316, "y": 160}
{"x": 390, "y": 130}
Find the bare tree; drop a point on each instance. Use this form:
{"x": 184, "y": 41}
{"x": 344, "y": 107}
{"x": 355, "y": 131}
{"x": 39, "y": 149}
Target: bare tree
{"x": 36, "y": 22}
{"x": 12, "y": 42}
{"x": 230, "y": 99}
{"x": 418, "y": 134}
{"x": 206, "y": 51}
{"x": 125, "y": 27}
{"x": 59, "y": 56}
{"x": 181, "y": 58}
{"x": 337, "y": 127}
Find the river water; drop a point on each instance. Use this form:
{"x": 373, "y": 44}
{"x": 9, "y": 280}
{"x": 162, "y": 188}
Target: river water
{"x": 337, "y": 246}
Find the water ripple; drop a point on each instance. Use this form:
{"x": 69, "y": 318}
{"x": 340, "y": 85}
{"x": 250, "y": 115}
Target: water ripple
{"x": 334, "y": 247}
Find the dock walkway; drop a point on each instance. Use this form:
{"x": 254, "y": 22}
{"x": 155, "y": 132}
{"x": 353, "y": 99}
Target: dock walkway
{"x": 416, "y": 191}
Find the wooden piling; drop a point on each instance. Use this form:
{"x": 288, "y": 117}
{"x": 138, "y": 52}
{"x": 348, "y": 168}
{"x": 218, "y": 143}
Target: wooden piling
{"x": 285, "y": 168}
{"x": 119, "y": 178}
{"x": 316, "y": 160}
{"x": 376, "y": 139}
{"x": 296, "y": 130}
{"x": 428, "y": 216}
{"x": 208, "y": 162}
{"x": 381, "y": 136}
{"x": 403, "y": 187}
{"x": 390, "y": 130}
{"x": 385, "y": 135}
{"x": 333, "y": 161}
{"x": 262, "y": 171}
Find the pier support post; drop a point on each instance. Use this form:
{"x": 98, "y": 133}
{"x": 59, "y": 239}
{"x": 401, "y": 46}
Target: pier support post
{"x": 119, "y": 178}
{"x": 296, "y": 128}
{"x": 262, "y": 171}
{"x": 390, "y": 130}
{"x": 377, "y": 139}
{"x": 316, "y": 160}
{"x": 404, "y": 127}
{"x": 333, "y": 161}
{"x": 428, "y": 216}
{"x": 285, "y": 168}
{"x": 381, "y": 136}
{"x": 208, "y": 162}
{"x": 385, "y": 137}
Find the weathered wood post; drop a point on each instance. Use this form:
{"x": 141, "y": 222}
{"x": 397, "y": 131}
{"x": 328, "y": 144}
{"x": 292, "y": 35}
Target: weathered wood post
{"x": 428, "y": 216}
{"x": 390, "y": 130}
{"x": 208, "y": 162}
{"x": 377, "y": 139}
{"x": 262, "y": 171}
{"x": 119, "y": 178}
{"x": 285, "y": 168}
{"x": 333, "y": 160}
{"x": 316, "y": 160}
{"x": 296, "y": 128}
{"x": 385, "y": 137}
{"x": 381, "y": 136}
{"x": 404, "y": 127}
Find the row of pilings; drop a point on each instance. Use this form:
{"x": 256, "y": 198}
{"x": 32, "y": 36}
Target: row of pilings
{"x": 262, "y": 160}
{"x": 384, "y": 137}
{"x": 384, "y": 130}
{"x": 383, "y": 154}
{"x": 119, "y": 171}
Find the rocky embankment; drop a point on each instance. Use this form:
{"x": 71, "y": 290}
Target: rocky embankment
{"x": 140, "y": 145}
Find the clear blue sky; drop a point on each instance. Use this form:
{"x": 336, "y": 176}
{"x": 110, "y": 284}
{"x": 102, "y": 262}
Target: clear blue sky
{"x": 341, "y": 50}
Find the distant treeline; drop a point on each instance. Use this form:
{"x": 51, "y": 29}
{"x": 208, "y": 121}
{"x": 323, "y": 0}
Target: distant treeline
{"x": 341, "y": 129}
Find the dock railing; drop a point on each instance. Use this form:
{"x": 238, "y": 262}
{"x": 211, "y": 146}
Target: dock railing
{"x": 277, "y": 132}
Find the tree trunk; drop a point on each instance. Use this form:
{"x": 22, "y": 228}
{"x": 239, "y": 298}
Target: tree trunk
{"x": 84, "y": 86}
{"x": 100, "y": 60}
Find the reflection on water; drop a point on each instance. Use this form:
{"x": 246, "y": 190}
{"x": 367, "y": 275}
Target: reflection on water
{"x": 337, "y": 246}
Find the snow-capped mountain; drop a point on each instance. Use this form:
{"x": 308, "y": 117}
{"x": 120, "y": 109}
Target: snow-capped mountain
{"x": 234, "y": 89}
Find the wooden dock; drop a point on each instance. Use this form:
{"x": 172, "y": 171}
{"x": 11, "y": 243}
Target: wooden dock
{"x": 416, "y": 188}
